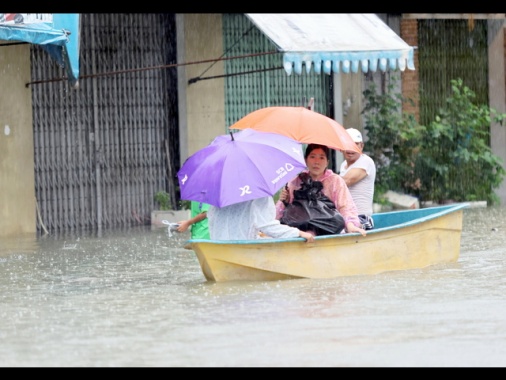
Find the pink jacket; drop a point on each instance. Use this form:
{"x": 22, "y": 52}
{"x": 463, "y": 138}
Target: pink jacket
{"x": 335, "y": 188}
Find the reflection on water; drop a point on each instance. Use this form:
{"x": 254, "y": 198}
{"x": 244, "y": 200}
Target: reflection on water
{"x": 137, "y": 298}
{"x": 19, "y": 244}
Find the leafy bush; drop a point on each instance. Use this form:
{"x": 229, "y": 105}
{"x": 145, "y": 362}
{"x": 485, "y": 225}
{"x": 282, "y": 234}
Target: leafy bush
{"x": 450, "y": 159}
{"x": 163, "y": 200}
{"x": 184, "y": 205}
{"x": 455, "y": 160}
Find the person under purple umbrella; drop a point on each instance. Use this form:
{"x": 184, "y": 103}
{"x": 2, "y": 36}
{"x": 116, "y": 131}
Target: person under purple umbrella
{"x": 250, "y": 220}
{"x": 237, "y": 176}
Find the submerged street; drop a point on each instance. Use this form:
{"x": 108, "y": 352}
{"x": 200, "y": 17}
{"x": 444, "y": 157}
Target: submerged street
{"x": 136, "y": 298}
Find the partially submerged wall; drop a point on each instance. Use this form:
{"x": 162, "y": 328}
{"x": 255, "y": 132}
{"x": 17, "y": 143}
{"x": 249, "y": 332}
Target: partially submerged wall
{"x": 17, "y": 188}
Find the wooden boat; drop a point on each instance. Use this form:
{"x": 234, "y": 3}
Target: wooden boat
{"x": 403, "y": 239}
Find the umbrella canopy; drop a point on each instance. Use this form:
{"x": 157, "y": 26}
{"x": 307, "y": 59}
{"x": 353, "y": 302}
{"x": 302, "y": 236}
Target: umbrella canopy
{"x": 239, "y": 167}
{"x": 301, "y": 124}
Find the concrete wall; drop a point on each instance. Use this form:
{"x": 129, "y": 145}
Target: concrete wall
{"x": 497, "y": 91}
{"x": 201, "y": 104}
{"x": 17, "y": 187}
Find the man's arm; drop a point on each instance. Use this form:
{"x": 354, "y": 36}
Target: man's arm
{"x": 354, "y": 175}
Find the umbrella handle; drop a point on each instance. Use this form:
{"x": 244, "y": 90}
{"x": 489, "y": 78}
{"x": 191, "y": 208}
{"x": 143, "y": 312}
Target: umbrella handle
{"x": 285, "y": 202}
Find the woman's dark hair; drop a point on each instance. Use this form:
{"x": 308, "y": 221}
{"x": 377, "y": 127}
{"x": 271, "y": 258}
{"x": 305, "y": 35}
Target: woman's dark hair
{"x": 312, "y": 147}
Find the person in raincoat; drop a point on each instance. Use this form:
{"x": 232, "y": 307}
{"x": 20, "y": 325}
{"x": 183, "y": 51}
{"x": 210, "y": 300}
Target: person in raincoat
{"x": 334, "y": 187}
{"x": 253, "y": 219}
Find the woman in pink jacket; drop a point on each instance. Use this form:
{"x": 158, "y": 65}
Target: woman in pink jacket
{"x": 317, "y": 159}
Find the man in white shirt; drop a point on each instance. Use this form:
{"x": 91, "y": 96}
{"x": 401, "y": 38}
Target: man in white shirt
{"x": 359, "y": 172}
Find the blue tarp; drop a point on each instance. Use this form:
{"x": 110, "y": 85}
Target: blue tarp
{"x": 60, "y": 37}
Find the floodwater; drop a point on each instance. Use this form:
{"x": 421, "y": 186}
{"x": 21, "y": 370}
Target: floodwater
{"x": 136, "y": 298}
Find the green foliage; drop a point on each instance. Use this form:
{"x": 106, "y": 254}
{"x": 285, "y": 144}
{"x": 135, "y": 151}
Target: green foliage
{"x": 184, "y": 205}
{"x": 163, "y": 200}
{"x": 450, "y": 159}
{"x": 456, "y": 161}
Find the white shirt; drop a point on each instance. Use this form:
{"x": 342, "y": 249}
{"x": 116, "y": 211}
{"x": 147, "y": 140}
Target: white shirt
{"x": 243, "y": 221}
{"x": 363, "y": 190}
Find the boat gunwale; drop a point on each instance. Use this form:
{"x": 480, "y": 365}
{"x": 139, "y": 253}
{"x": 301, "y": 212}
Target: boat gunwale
{"x": 442, "y": 210}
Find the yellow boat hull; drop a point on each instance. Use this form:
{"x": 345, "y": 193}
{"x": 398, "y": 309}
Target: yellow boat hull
{"x": 406, "y": 239}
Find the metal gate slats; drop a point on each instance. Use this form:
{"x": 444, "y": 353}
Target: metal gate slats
{"x": 98, "y": 161}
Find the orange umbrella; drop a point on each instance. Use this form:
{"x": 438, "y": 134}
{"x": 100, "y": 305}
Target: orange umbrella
{"x": 300, "y": 124}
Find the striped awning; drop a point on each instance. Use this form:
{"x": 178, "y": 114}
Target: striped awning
{"x": 337, "y": 42}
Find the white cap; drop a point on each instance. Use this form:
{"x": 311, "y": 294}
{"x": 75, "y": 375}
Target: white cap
{"x": 355, "y": 134}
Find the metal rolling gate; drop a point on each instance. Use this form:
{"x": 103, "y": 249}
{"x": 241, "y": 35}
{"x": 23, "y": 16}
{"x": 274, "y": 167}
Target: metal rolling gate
{"x": 103, "y": 150}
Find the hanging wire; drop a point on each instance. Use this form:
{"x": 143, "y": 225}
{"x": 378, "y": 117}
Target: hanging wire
{"x": 152, "y": 68}
{"x": 193, "y": 80}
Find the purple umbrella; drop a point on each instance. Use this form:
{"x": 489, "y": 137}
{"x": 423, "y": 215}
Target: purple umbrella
{"x": 239, "y": 167}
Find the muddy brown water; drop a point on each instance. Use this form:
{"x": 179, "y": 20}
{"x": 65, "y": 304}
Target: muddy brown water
{"x": 136, "y": 298}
